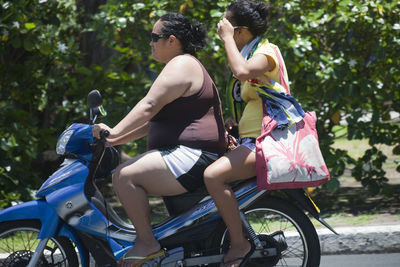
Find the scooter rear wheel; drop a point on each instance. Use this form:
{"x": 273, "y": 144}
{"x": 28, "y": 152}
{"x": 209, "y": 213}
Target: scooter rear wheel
{"x": 295, "y": 237}
{"x": 18, "y": 240}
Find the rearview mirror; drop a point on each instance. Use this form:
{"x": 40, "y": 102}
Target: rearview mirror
{"x": 94, "y": 99}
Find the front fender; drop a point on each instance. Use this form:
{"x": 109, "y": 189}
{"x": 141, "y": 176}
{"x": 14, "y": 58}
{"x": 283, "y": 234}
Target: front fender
{"x": 52, "y": 225}
{"x": 35, "y": 209}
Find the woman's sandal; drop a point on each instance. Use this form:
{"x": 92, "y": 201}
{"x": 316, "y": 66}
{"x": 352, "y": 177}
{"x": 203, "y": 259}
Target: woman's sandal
{"x": 244, "y": 259}
{"x": 143, "y": 259}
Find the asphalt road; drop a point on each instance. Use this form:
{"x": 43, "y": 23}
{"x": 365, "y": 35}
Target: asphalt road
{"x": 361, "y": 260}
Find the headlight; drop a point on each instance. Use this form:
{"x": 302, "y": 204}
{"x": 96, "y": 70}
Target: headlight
{"x": 63, "y": 141}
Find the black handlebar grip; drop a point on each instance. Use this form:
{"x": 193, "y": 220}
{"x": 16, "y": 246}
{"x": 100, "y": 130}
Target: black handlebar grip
{"x": 104, "y": 134}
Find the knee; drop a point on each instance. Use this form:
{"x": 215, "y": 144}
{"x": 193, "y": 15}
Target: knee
{"x": 120, "y": 178}
{"x": 115, "y": 178}
{"x": 211, "y": 175}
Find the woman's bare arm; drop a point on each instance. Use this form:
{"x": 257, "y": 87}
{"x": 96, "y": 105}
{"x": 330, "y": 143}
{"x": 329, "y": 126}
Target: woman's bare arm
{"x": 175, "y": 80}
{"x": 241, "y": 68}
{"x": 131, "y": 136}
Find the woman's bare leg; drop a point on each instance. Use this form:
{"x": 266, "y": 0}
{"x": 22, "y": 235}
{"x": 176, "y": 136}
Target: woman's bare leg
{"x": 237, "y": 164}
{"x": 133, "y": 181}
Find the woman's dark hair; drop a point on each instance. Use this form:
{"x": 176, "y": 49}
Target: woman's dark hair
{"x": 191, "y": 35}
{"x": 250, "y": 14}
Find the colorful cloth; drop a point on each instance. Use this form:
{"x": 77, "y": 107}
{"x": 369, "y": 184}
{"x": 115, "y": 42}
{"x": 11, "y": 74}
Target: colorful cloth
{"x": 281, "y": 107}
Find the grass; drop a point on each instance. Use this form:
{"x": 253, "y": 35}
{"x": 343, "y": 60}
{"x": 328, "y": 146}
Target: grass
{"x": 342, "y": 219}
{"x": 357, "y": 148}
{"x": 18, "y": 241}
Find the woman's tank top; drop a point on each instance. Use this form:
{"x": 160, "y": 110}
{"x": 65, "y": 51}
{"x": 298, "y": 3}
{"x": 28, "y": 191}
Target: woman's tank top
{"x": 195, "y": 121}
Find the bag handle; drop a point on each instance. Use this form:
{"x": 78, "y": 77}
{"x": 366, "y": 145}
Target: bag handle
{"x": 281, "y": 73}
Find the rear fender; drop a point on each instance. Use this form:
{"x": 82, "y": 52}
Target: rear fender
{"x": 306, "y": 203}
{"x": 52, "y": 225}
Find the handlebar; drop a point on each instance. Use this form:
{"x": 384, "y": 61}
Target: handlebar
{"x": 104, "y": 134}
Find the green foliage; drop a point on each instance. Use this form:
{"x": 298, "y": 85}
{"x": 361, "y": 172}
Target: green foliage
{"x": 342, "y": 58}
{"x": 38, "y": 53}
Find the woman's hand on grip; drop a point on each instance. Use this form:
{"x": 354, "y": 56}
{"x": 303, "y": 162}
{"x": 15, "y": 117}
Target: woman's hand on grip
{"x": 98, "y": 128}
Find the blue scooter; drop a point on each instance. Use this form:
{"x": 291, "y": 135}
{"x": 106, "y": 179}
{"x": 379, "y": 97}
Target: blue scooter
{"x": 71, "y": 223}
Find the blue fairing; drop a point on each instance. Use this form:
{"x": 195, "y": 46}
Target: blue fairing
{"x": 80, "y": 140}
{"x": 71, "y": 172}
{"x": 75, "y": 140}
{"x": 52, "y": 225}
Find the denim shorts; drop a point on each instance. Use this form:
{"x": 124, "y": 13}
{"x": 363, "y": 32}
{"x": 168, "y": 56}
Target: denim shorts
{"x": 248, "y": 142}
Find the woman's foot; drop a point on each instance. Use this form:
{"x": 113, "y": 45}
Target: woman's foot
{"x": 139, "y": 252}
{"x": 237, "y": 255}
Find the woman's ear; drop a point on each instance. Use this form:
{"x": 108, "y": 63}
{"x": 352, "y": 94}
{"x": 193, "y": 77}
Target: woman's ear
{"x": 171, "y": 39}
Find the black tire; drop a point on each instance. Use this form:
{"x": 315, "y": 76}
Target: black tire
{"x": 18, "y": 240}
{"x": 299, "y": 245}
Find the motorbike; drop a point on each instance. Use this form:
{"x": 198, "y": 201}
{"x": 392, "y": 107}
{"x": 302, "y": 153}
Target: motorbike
{"x": 71, "y": 223}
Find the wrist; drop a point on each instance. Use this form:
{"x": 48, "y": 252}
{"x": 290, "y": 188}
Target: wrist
{"x": 113, "y": 133}
{"x": 228, "y": 39}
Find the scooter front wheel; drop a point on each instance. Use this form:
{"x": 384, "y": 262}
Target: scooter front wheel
{"x": 18, "y": 241}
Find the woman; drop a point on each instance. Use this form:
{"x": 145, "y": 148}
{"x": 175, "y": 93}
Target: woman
{"x": 181, "y": 116}
{"x": 251, "y": 59}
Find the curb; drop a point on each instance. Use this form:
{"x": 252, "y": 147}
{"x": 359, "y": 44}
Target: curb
{"x": 363, "y": 239}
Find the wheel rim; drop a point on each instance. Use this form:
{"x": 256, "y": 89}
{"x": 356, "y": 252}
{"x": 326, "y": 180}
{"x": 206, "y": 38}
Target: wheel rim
{"x": 265, "y": 222}
{"x": 18, "y": 244}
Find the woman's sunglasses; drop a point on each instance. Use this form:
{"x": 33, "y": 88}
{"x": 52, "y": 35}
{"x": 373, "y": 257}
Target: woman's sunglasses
{"x": 155, "y": 37}
{"x": 237, "y": 27}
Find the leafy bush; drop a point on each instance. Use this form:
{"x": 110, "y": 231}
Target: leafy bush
{"x": 342, "y": 58}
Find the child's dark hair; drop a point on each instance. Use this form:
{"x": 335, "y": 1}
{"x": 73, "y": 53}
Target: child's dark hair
{"x": 250, "y": 14}
{"x": 191, "y": 35}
